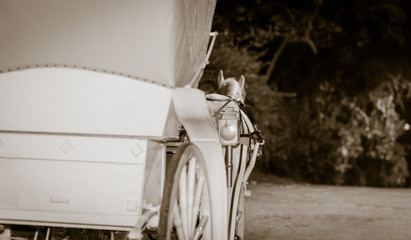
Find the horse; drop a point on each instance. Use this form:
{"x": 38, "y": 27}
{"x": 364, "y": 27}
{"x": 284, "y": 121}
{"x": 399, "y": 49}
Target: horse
{"x": 231, "y": 88}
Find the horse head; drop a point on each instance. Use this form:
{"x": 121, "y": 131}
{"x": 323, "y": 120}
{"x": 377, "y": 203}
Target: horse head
{"x": 231, "y": 87}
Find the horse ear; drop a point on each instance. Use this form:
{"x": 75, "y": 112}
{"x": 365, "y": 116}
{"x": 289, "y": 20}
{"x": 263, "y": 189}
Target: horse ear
{"x": 241, "y": 81}
{"x": 221, "y": 80}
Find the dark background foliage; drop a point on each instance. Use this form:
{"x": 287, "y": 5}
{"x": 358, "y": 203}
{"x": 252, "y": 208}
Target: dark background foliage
{"x": 328, "y": 83}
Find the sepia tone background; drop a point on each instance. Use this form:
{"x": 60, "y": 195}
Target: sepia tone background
{"x": 328, "y": 83}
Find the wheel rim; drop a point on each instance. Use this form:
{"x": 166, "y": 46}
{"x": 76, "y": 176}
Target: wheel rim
{"x": 190, "y": 201}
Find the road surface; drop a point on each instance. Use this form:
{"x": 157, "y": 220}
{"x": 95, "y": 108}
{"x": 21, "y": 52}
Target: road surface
{"x": 290, "y": 211}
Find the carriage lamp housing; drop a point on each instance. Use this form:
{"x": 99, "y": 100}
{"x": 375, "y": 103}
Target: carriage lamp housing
{"x": 228, "y": 122}
{"x": 228, "y": 132}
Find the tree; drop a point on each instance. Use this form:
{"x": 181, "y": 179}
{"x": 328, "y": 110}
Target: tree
{"x": 337, "y": 57}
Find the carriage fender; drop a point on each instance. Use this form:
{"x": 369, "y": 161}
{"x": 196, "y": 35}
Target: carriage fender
{"x": 192, "y": 112}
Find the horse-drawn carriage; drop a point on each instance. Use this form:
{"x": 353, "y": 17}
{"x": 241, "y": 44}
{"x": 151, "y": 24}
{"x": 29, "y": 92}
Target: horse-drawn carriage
{"x": 102, "y": 125}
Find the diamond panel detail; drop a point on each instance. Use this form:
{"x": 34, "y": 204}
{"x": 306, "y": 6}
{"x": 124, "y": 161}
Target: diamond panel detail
{"x": 132, "y": 206}
{"x": 66, "y": 147}
{"x": 136, "y": 150}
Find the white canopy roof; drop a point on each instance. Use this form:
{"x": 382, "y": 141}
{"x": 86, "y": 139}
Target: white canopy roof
{"x": 162, "y": 41}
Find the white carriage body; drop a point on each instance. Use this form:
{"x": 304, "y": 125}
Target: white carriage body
{"x": 75, "y": 142}
{"x": 89, "y": 93}
{"x": 160, "y": 41}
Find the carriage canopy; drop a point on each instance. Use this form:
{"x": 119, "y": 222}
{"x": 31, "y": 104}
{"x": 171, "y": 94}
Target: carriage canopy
{"x": 162, "y": 41}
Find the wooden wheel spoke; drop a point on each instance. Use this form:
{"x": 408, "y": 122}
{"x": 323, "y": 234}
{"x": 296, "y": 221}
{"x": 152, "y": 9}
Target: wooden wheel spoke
{"x": 200, "y": 228}
{"x": 190, "y": 195}
{"x": 178, "y": 222}
{"x": 197, "y": 201}
{"x": 183, "y": 201}
{"x": 188, "y": 209}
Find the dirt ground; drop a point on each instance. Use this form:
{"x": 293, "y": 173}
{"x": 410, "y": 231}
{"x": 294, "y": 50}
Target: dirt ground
{"x": 286, "y": 211}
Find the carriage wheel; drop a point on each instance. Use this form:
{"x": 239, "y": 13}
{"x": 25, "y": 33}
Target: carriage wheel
{"x": 185, "y": 210}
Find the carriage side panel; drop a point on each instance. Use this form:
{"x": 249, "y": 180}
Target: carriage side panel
{"x": 58, "y": 100}
{"x": 71, "y": 180}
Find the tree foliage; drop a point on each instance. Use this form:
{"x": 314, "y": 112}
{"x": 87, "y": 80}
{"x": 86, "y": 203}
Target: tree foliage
{"x": 347, "y": 63}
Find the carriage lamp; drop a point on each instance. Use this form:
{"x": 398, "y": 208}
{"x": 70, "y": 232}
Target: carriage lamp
{"x": 228, "y": 125}
{"x": 228, "y": 121}
{"x": 228, "y": 132}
